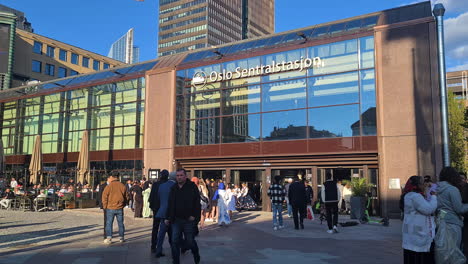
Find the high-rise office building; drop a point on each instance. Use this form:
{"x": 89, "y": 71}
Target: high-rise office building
{"x": 192, "y": 24}
{"x": 124, "y": 50}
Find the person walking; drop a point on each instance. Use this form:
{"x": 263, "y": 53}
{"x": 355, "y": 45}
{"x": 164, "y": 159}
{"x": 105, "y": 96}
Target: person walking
{"x": 276, "y": 192}
{"x": 114, "y": 199}
{"x": 288, "y": 204}
{"x": 297, "y": 200}
{"x": 154, "y": 205}
{"x": 137, "y": 192}
{"x": 183, "y": 214}
{"x": 163, "y": 198}
{"x": 102, "y": 187}
{"x": 450, "y": 210}
{"x": 129, "y": 186}
{"x": 418, "y": 222}
{"x": 222, "y": 197}
{"x": 146, "y": 195}
{"x": 330, "y": 196}
{"x": 309, "y": 192}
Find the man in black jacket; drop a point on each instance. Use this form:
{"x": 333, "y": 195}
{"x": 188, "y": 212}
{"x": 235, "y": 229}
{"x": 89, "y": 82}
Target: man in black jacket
{"x": 154, "y": 205}
{"x": 330, "y": 195}
{"x": 183, "y": 214}
{"x": 297, "y": 199}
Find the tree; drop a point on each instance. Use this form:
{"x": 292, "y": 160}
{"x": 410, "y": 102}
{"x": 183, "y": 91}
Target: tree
{"x": 456, "y": 116}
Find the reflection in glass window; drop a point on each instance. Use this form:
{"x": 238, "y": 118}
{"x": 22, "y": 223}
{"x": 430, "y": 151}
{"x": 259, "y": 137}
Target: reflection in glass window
{"x": 202, "y": 131}
{"x": 243, "y": 64}
{"x": 100, "y": 117}
{"x": 334, "y": 121}
{"x": 242, "y": 100}
{"x": 106, "y": 66}
{"x": 28, "y": 144}
{"x": 50, "y": 123}
{"x": 50, "y": 52}
{"x": 284, "y": 95}
{"x": 336, "y": 57}
{"x": 368, "y": 105}
{"x": 284, "y": 125}
{"x": 125, "y": 114}
{"x": 63, "y": 55}
{"x": 205, "y": 69}
{"x": 49, "y": 143}
{"x": 85, "y": 62}
{"x": 74, "y": 58}
{"x": 124, "y": 137}
{"x": 51, "y": 103}
{"x": 205, "y": 104}
{"x": 31, "y": 125}
{"x": 285, "y": 56}
{"x": 36, "y": 66}
{"x": 241, "y": 128}
{"x": 99, "y": 139}
{"x": 367, "y": 52}
{"x": 50, "y": 69}
{"x": 37, "y": 48}
{"x": 77, "y": 120}
{"x": 334, "y": 89}
{"x": 102, "y": 95}
{"x": 73, "y": 72}
{"x": 96, "y": 65}
{"x": 62, "y": 72}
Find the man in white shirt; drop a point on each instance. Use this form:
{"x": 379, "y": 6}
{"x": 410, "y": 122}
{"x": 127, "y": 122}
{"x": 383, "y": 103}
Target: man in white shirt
{"x": 13, "y": 183}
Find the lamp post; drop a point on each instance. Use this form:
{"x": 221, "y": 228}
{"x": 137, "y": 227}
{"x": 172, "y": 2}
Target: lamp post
{"x": 439, "y": 12}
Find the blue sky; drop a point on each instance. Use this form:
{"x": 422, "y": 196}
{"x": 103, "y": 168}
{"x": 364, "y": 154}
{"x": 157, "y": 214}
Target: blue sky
{"x": 95, "y": 24}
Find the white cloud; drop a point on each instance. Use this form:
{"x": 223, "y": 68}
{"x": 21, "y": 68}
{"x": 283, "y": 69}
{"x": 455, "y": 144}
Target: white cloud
{"x": 462, "y": 67}
{"x": 453, "y": 6}
{"x": 456, "y": 36}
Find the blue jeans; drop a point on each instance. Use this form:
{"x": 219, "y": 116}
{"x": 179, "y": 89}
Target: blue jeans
{"x": 289, "y": 209}
{"x": 163, "y": 228}
{"x": 186, "y": 227}
{"x": 277, "y": 214}
{"x": 110, "y": 221}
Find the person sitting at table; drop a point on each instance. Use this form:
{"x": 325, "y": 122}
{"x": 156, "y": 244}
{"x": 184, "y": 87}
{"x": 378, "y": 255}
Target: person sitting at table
{"x": 41, "y": 196}
{"x": 7, "y": 198}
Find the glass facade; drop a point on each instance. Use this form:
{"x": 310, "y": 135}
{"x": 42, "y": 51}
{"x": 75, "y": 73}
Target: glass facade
{"x": 334, "y": 99}
{"x": 112, "y": 113}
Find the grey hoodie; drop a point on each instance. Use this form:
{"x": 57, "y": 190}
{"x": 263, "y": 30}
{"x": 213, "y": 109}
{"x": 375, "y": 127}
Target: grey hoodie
{"x": 449, "y": 199}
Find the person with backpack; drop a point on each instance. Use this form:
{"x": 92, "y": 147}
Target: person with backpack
{"x": 330, "y": 196}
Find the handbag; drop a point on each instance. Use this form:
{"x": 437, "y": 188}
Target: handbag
{"x": 310, "y": 213}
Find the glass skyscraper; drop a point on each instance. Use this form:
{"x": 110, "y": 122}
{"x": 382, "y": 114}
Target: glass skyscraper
{"x": 124, "y": 50}
{"x": 192, "y": 24}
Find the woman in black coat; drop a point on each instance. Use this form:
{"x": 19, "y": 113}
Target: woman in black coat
{"x": 138, "y": 199}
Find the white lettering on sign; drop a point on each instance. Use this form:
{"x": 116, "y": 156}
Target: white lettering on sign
{"x": 200, "y": 79}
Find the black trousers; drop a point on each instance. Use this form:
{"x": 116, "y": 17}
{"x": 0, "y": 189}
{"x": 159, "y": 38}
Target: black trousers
{"x": 332, "y": 214}
{"x": 105, "y": 219}
{"x": 299, "y": 213}
{"x": 154, "y": 232}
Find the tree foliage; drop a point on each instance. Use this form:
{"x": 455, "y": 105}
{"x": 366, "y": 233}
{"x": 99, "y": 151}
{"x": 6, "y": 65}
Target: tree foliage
{"x": 457, "y": 122}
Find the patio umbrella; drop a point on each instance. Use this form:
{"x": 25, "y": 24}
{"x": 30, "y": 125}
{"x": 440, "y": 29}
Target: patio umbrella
{"x": 35, "y": 167}
{"x": 83, "y": 160}
{"x": 2, "y": 158}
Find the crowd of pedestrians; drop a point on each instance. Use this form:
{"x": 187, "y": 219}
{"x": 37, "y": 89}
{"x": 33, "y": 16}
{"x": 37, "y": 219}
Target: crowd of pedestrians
{"x": 433, "y": 219}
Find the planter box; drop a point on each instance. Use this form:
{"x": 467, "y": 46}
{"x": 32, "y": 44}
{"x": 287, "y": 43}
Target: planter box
{"x": 70, "y": 205}
{"x": 86, "y": 203}
{"x": 358, "y": 207}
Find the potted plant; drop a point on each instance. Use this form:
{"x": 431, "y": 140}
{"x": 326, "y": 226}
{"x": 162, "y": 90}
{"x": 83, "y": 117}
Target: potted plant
{"x": 359, "y": 189}
{"x": 69, "y": 201}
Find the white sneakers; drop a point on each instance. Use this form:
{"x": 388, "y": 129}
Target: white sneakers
{"x": 108, "y": 241}
{"x": 330, "y": 231}
{"x": 281, "y": 227}
{"x": 121, "y": 240}
{"x": 275, "y": 228}
{"x": 335, "y": 229}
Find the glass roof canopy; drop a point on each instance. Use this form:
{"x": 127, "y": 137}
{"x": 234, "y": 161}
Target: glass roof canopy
{"x": 78, "y": 79}
{"x": 316, "y": 32}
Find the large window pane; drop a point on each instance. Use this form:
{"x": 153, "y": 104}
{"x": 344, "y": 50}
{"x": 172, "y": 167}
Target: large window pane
{"x": 367, "y": 52}
{"x": 241, "y": 128}
{"x": 125, "y": 114}
{"x": 124, "y": 137}
{"x": 336, "y": 57}
{"x": 50, "y": 123}
{"x": 284, "y": 95}
{"x": 31, "y": 125}
{"x": 51, "y": 103}
{"x": 205, "y": 104}
{"x": 63, "y": 55}
{"x": 49, "y": 143}
{"x": 99, "y": 139}
{"x": 37, "y": 47}
{"x": 284, "y": 125}
{"x": 202, "y": 131}
{"x": 32, "y": 106}
{"x": 101, "y": 117}
{"x": 77, "y": 120}
{"x": 335, "y": 121}
{"x": 102, "y": 95}
{"x": 368, "y": 104}
{"x": 36, "y": 66}
{"x": 334, "y": 89}
{"x": 74, "y": 141}
{"x": 78, "y": 99}
{"x": 28, "y": 144}
{"x": 242, "y": 100}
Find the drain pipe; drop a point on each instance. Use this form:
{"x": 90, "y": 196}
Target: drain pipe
{"x": 439, "y": 11}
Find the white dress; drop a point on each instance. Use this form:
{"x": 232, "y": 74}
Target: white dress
{"x": 223, "y": 208}
{"x": 231, "y": 202}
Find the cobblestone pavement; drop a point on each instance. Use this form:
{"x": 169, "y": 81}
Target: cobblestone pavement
{"x": 75, "y": 236}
